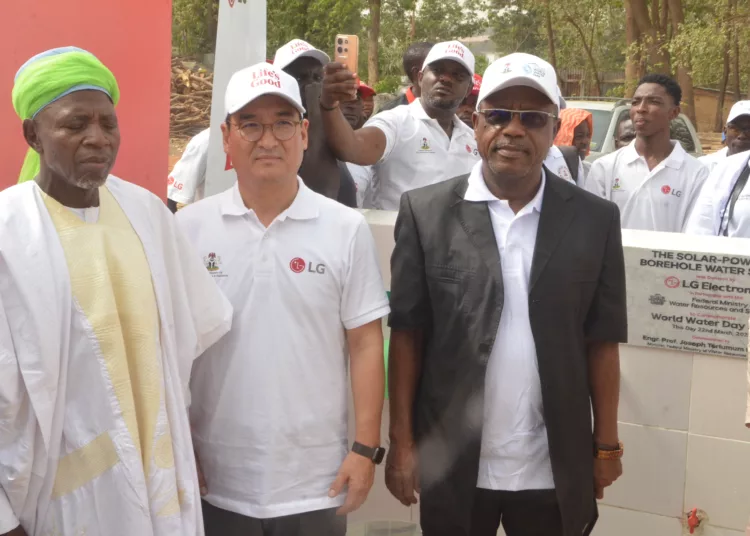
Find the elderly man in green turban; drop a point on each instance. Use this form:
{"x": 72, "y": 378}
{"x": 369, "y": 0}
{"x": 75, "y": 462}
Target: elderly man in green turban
{"x": 103, "y": 309}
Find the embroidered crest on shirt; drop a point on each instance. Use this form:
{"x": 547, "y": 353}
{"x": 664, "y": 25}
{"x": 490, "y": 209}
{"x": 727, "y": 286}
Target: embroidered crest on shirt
{"x": 212, "y": 262}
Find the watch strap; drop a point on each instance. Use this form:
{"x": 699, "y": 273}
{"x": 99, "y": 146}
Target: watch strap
{"x": 374, "y": 454}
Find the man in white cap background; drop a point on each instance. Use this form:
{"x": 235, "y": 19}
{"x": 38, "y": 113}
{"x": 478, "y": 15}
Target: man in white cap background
{"x": 736, "y": 134}
{"x": 320, "y": 170}
{"x": 653, "y": 180}
{"x": 723, "y": 208}
{"x": 409, "y": 146}
{"x": 269, "y": 405}
{"x": 508, "y": 306}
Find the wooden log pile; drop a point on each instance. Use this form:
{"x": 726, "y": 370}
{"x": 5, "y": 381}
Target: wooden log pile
{"x": 190, "y": 106}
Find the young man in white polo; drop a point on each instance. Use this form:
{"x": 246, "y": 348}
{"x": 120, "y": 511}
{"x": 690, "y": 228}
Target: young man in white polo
{"x": 269, "y": 404}
{"x": 409, "y": 146}
{"x": 653, "y": 180}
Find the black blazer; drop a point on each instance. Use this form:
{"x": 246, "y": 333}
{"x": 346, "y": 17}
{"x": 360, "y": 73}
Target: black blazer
{"x": 446, "y": 280}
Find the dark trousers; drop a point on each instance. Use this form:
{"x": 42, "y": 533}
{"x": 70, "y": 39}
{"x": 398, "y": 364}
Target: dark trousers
{"x": 219, "y": 522}
{"x": 521, "y": 513}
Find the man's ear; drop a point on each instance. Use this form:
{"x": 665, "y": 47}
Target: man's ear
{"x": 225, "y": 133}
{"x": 31, "y": 134}
{"x": 303, "y": 130}
{"x": 675, "y": 112}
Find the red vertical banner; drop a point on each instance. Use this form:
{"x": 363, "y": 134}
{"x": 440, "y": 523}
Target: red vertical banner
{"x": 133, "y": 38}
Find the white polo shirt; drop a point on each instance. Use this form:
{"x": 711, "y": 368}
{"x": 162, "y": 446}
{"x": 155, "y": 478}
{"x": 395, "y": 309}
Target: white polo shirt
{"x": 711, "y": 213}
{"x": 656, "y": 200}
{"x": 556, "y": 163}
{"x": 714, "y": 159}
{"x": 269, "y": 400}
{"x": 187, "y": 181}
{"x": 417, "y": 153}
{"x": 515, "y": 450}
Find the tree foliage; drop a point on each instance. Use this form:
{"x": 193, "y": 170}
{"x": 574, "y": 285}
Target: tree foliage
{"x": 596, "y": 36}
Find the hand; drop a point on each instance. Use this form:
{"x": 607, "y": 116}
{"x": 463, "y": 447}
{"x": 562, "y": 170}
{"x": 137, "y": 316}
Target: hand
{"x": 605, "y": 474}
{"x": 357, "y": 473}
{"x": 338, "y": 85}
{"x": 201, "y": 479}
{"x": 402, "y": 473}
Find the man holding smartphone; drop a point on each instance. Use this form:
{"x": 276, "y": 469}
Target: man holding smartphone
{"x": 410, "y": 146}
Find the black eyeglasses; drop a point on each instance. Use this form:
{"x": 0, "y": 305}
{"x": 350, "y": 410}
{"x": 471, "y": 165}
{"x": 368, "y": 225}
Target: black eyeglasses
{"x": 282, "y": 130}
{"x": 499, "y": 117}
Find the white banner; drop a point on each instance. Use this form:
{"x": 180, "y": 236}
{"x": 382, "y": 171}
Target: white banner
{"x": 240, "y": 43}
{"x": 688, "y": 301}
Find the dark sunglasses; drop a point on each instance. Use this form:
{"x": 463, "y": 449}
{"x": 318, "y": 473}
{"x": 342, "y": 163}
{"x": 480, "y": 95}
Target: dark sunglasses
{"x": 499, "y": 117}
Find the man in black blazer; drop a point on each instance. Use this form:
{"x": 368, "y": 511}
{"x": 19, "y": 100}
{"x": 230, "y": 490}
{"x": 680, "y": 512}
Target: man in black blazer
{"x": 508, "y": 306}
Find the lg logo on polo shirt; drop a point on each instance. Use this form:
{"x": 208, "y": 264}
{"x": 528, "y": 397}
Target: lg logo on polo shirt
{"x": 666, "y": 190}
{"x": 298, "y": 266}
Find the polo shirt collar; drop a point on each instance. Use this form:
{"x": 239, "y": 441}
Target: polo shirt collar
{"x": 674, "y": 160}
{"x": 304, "y": 206}
{"x": 478, "y": 192}
{"x": 417, "y": 111}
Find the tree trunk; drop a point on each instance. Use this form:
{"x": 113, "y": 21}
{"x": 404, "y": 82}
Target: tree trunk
{"x": 658, "y": 57}
{"x": 684, "y": 77}
{"x": 633, "y": 57}
{"x": 719, "y": 118}
{"x": 589, "y": 54}
{"x": 735, "y": 54}
{"x": 550, "y": 36}
{"x": 373, "y": 67}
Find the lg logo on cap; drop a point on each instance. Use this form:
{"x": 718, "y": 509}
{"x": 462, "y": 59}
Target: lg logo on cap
{"x": 298, "y": 266}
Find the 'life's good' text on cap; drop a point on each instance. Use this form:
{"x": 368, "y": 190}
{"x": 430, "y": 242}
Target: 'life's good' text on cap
{"x": 296, "y": 49}
{"x": 260, "y": 79}
{"x": 451, "y": 50}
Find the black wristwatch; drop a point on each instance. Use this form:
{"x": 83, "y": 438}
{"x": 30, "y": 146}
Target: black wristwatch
{"x": 375, "y": 454}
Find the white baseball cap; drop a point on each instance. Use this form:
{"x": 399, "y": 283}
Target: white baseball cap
{"x": 563, "y": 102}
{"x": 740, "y": 108}
{"x": 296, "y": 49}
{"x": 451, "y": 50}
{"x": 260, "y": 79}
{"x": 519, "y": 69}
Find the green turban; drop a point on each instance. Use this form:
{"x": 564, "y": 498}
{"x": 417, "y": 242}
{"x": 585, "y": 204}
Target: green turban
{"x": 50, "y": 76}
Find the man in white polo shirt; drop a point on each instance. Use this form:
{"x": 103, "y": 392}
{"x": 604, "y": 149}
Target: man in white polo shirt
{"x": 409, "y": 146}
{"x": 653, "y": 180}
{"x": 736, "y": 133}
{"x": 269, "y": 405}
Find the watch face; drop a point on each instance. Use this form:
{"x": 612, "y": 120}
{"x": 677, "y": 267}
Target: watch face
{"x": 379, "y": 455}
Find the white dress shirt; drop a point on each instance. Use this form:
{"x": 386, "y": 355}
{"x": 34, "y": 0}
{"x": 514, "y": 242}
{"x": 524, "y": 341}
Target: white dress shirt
{"x": 660, "y": 199}
{"x": 515, "y": 451}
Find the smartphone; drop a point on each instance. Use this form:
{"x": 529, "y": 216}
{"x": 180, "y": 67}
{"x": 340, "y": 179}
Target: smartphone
{"x": 347, "y": 51}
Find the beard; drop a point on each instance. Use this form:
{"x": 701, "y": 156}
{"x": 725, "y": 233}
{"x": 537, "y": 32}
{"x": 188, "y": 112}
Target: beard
{"x": 442, "y": 103}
